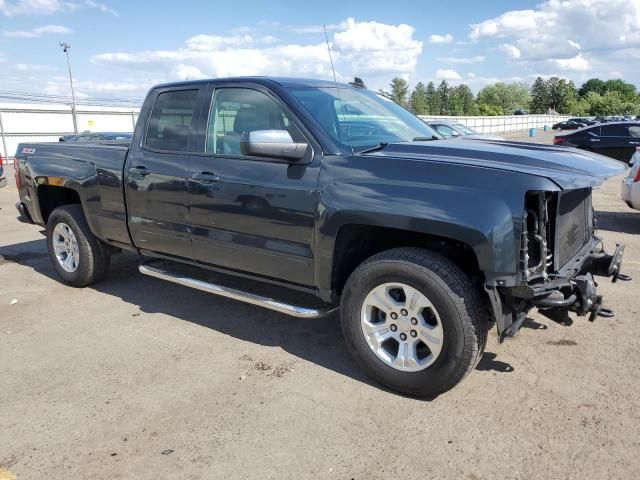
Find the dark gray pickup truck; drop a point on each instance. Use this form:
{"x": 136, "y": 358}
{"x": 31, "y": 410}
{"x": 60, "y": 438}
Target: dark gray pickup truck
{"x": 332, "y": 192}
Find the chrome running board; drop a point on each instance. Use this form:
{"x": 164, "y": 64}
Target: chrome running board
{"x": 246, "y": 297}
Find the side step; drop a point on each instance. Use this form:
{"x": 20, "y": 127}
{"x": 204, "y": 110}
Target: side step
{"x": 246, "y": 297}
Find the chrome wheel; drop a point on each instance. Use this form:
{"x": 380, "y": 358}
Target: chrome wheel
{"x": 402, "y": 327}
{"x": 65, "y": 247}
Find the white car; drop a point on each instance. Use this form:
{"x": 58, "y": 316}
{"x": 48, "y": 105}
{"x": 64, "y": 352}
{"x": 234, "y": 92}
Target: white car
{"x": 631, "y": 184}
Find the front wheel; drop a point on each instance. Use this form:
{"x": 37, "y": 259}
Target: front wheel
{"x": 77, "y": 255}
{"x": 414, "y": 321}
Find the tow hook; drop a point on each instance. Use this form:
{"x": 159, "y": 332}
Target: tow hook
{"x": 589, "y": 302}
{"x": 614, "y": 266}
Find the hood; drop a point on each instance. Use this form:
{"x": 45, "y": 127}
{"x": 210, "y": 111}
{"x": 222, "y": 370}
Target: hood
{"x": 568, "y": 167}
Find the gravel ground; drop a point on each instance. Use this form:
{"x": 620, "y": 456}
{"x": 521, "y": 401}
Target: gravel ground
{"x": 137, "y": 378}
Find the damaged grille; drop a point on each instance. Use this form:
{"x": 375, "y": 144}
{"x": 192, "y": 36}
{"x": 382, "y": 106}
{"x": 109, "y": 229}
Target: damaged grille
{"x": 574, "y": 224}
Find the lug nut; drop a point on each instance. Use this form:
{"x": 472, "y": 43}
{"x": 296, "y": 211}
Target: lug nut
{"x": 404, "y": 312}
{"x": 413, "y": 333}
{"x": 403, "y": 336}
{"x": 393, "y": 327}
{"x": 394, "y": 315}
{"x": 414, "y": 321}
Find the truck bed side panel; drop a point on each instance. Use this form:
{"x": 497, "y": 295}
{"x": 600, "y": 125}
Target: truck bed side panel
{"x": 94, "y": 171}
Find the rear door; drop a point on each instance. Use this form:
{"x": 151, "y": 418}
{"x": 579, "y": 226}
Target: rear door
{"x": 157, "y": 171}
{"x": 248, "y": 213}
{"x": 616, "y": 141}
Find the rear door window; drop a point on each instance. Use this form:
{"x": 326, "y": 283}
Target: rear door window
{"x": 615, "y": 130}
{"x": 171, "y": 120}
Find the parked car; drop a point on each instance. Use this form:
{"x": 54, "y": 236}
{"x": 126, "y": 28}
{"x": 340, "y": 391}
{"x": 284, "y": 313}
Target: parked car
{"x": 631, "y": 184}
{"x": 455, "y": 130}
{"x": 568, "y": 125}
{"x": 614, "y": 139}
{"x": 3, "y": 179}
{"x": 407, "y": 235}
{"x": 96, "y": 137}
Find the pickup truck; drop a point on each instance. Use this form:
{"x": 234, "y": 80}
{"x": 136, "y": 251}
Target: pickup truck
{"x": 331, "y": 192}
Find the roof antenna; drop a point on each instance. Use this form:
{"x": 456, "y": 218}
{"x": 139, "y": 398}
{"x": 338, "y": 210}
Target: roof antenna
{"x": 326, "y": 39}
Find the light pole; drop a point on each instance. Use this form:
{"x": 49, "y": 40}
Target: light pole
{"x": 65, "y": 48}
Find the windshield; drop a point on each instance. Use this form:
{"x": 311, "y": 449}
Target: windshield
{"x": 464, "y": 129}
{"x": 361, "y": 119}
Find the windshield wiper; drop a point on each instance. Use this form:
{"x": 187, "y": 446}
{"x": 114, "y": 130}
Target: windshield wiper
{"x": 375, "y": 148}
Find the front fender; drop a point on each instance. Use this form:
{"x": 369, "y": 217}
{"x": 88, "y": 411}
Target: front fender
{"x": 481, "y": 208}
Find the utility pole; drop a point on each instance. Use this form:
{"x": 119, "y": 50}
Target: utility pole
{"x": 65, "y": 48}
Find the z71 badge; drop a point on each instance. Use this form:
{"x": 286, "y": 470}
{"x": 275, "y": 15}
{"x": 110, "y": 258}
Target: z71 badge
{"x": 28, "y": 151}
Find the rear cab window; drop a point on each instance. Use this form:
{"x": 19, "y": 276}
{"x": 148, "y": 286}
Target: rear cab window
{"x": 170, "y": 123}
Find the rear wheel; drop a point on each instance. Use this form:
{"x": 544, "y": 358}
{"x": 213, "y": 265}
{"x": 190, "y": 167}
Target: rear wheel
{"x": 414, "y": 321}
{"x": 77, "y": 255}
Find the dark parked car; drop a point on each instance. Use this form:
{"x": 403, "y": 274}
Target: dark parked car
{"x": 614, "y": 139}
{"x": 96, "y": 137}
{"x": 421, "y": 243}
{"x": 568, "y": 125}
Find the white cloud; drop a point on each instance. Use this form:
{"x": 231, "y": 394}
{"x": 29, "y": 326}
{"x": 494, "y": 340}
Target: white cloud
{"x": 369, "y": 49}
{"x": 561, "y": 28}
{"x": 39, "y": 31}
{"x": 448, "y": 38}
{"x": 447, "y": 74}
{"x": 512, "y": 51}
{"x": 576, "y": 64}
{"x": 100, "y": 6}
{"x": 27, "y": 67}
{"x": 463, "y": 60}
{"x": 12, "y": 8}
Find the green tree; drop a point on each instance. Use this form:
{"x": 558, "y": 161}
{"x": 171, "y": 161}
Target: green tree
{"x": 461, "y": 101}
{"x": 418, "y": 101}
{"x": 506, "y": 96}
{"x": 433, "y": 102}
{"x": 399, "y": 91}
{"x": 626, "y": 90}
{"x": 539, "y": 96}
{"x": 562, "y": 94}
{"x": 443, "y": 98}
{"x": 488, "y": 110}
{"x": 592, "y": 85}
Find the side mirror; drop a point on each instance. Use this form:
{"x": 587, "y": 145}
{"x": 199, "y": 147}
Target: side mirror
{"x": 455, "y": 133}
{"x": 272, "y": 143}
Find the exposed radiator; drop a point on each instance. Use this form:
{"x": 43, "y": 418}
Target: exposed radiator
{"x": 574, "y": 224}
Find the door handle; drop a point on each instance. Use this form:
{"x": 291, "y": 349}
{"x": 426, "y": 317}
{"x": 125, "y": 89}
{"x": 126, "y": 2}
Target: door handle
{"x": 140, "y": 170}
{"x": 205, "y": 177}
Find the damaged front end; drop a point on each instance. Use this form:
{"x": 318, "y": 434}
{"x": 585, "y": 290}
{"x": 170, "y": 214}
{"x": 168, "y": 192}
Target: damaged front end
{"x": 559, "y": 256}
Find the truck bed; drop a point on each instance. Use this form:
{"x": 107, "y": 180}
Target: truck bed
{"x": 94, "y": 171}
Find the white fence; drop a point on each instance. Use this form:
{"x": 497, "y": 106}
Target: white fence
{"x": 46, "y": 123}
{"x": 502, "y": 124}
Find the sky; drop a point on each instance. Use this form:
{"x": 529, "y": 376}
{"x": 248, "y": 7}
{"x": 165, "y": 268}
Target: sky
{"x": 121, "y": 48}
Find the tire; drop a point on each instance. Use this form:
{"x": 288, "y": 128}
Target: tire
{"x": 457, "y": 305}
{"x": 92, "y": 257}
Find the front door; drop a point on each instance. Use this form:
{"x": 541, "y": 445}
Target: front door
{"x": 156, "y": 176}
{"x": 248, "y": 213}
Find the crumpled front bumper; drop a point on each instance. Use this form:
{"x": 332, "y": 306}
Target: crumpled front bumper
{"x": 573, "y": 288}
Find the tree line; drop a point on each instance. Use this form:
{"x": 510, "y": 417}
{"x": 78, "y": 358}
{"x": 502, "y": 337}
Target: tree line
{"x": 559, "y": 95}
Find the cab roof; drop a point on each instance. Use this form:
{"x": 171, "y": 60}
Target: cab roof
{"x": 282, "y": 81}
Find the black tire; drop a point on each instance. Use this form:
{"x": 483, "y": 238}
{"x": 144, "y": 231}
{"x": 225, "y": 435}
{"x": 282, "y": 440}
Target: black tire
{"x": 93, "y": 255}
{"x": 457, "y": 301}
